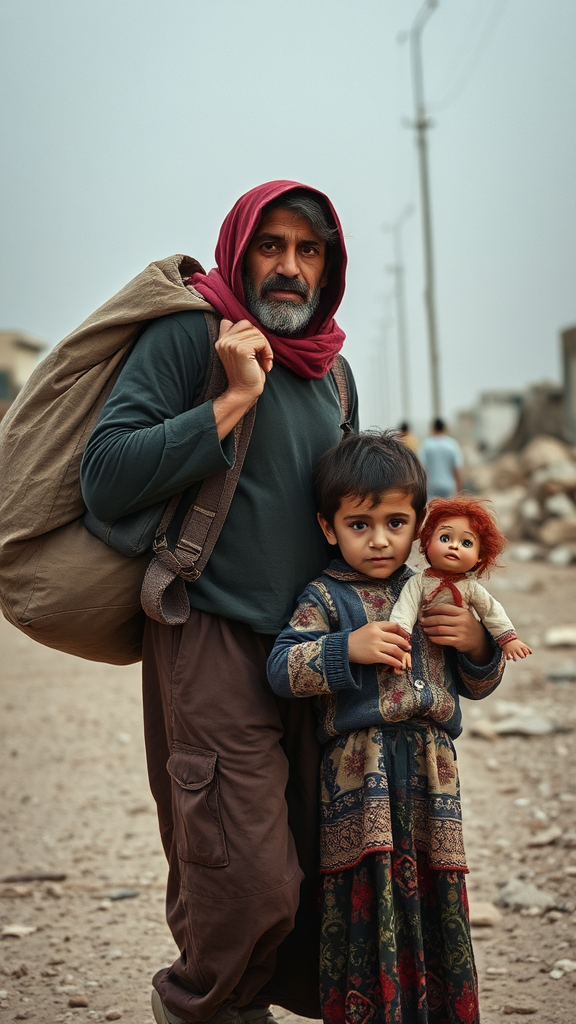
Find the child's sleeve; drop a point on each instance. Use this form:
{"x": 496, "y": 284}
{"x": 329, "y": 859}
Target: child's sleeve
{"x": 308, "y": 658}
{"x": 478, "y": 681}
{"x": 405, "y": 611}
{"x": 491, "y": 614}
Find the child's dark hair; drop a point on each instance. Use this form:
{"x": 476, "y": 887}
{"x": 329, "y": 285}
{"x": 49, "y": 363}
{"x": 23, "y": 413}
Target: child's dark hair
{"x": 366, "y": 465}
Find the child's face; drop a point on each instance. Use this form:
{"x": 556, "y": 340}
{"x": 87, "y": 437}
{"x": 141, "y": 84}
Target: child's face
{"x": 454, "y": 547}
{"x": 373, "y": 540}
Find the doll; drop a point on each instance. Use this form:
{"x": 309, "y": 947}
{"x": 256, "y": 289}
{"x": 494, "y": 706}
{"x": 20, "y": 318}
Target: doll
{"x": 461, "y": 541}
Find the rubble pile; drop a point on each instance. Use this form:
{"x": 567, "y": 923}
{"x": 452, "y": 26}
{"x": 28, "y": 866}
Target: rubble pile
{"x": 534, "y": 494}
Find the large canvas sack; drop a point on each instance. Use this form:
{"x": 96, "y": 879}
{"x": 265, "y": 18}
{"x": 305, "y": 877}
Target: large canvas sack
{"x": 58, "y": 583}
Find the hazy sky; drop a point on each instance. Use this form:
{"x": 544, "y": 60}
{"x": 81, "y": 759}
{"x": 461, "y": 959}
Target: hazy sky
{"x": 131, "y": 126}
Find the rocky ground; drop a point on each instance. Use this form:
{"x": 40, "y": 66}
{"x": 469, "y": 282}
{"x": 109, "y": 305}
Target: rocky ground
{"x": 81, "y": 945}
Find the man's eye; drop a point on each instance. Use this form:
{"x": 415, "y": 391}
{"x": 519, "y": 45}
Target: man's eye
{"x": 396, "y": 523}
{"x": 310, "y": 250}
{"x": 269, "y": 247}
{"x": 358, "y": 525}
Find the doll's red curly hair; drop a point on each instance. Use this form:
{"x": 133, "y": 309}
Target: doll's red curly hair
{"x": 482, "y": 519}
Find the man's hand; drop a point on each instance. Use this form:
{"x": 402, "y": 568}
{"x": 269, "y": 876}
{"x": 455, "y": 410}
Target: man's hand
{"x": 378, "y": 643}
{"x": 450, "y": 626}
{"x": 247, "y": 357}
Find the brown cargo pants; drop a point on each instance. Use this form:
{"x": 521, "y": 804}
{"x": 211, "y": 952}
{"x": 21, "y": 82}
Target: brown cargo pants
{"x": 234, "y": 772}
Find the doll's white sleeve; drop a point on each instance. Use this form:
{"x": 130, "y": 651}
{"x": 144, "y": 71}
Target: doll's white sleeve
{"x": 405, "y": 611}
{"x": 491, "y": 613}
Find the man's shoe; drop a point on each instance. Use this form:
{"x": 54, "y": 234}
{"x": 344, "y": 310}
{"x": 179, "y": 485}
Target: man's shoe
{"x": 226, "y": 1015}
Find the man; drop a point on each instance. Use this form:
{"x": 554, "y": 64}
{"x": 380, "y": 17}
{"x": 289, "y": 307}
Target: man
{"x": 442, "y": 460}
{"x": 223, "y": 753}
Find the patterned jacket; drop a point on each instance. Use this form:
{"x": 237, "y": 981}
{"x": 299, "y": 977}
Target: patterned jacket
{"x": 310, "y": 658}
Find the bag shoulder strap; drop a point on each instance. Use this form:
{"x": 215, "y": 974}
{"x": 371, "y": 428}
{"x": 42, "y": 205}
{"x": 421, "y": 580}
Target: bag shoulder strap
{"x": 338, "y": 372}
{"x": 164, "y": 594}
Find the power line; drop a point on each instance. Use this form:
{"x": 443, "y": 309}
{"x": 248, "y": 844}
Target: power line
{"x": 473, "y": 61}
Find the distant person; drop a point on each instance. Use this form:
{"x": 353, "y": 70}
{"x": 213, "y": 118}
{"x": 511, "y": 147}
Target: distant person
{"x": 442, "y": 459}
{"x": 407, "y": 437}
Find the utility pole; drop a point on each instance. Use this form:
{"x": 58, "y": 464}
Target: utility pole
{"x": 397, "y": 269}
{"x": 422, "y": 124}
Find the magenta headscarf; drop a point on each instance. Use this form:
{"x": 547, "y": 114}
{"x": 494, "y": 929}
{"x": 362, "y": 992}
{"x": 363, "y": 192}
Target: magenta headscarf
{"x": 310, "y": 354}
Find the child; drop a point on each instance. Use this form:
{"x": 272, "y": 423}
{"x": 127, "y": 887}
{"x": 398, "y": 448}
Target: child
{"x": 395, "y": 942}
{"x": 461, "y": 541}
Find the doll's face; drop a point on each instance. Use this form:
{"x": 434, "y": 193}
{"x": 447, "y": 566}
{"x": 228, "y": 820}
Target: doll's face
{"x": 454, "y": 547}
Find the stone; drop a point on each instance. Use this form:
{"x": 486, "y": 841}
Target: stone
{"x": 17, "y": 931}
{"x": 558, "y": 531}
{"x": 521, "y": 895}
{"x": 484, "y": 729}
{"x": 565, "y": 671}
{"x": 122, "y": 894}
{"x": 546, "y": 837}
{"x": 562, "y": 555}
{"x": 568, "y": 966}
{"x": 556, "y": 974}
{"x": 560, "y": 505}
{"x": 560, "y": 636}
{"x": 525, "y": 552}
{"x": 484, "y": 914}
{"x": 525, "y": 725}
{"x": 510, "y": 1008}
{"x": 79, "y": 1000}
{"x": 531, "y": 510}
{"x": 113, "y": 1015}
{"x": 569, "y": 839}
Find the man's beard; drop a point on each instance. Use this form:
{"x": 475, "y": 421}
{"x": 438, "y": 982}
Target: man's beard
{"x": 280, "y": 317}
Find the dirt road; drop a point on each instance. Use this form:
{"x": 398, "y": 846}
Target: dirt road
{"x": 75, "y": 803}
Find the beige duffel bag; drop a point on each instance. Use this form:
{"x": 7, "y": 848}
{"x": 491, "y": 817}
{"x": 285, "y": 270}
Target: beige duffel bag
{"x": 58, "y": 583}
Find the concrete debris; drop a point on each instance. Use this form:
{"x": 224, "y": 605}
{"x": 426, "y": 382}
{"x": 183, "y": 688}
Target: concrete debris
{"x": 534, "y": 495}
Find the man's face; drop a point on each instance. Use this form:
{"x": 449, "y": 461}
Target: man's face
{"x": 284, "y": 270}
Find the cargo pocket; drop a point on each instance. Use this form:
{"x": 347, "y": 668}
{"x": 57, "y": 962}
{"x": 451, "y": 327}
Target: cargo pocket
{"x": 198, "y": 826}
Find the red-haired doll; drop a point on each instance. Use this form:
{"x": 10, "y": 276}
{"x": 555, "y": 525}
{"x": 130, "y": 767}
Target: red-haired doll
{"x": 461, "y": 542}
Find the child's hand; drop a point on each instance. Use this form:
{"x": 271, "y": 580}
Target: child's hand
{"x": 406, "y": 664}
{"x": 450, "y": 626}
{"x": 378, "y": 643}
{"x": 516, "y": 649}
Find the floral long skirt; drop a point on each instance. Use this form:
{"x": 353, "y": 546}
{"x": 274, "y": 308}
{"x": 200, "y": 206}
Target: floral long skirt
{"x": 395, "y": 943}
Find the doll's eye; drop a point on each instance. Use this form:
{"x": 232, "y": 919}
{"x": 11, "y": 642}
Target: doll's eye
{"x": 444, "y": 538}
{"x": 467, "y": 543}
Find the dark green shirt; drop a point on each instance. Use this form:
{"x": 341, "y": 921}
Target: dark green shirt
{"x": 150, "y": 443}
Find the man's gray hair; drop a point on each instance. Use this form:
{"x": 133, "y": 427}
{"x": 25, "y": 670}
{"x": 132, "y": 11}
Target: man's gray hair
{"x": 311, "y": 206}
